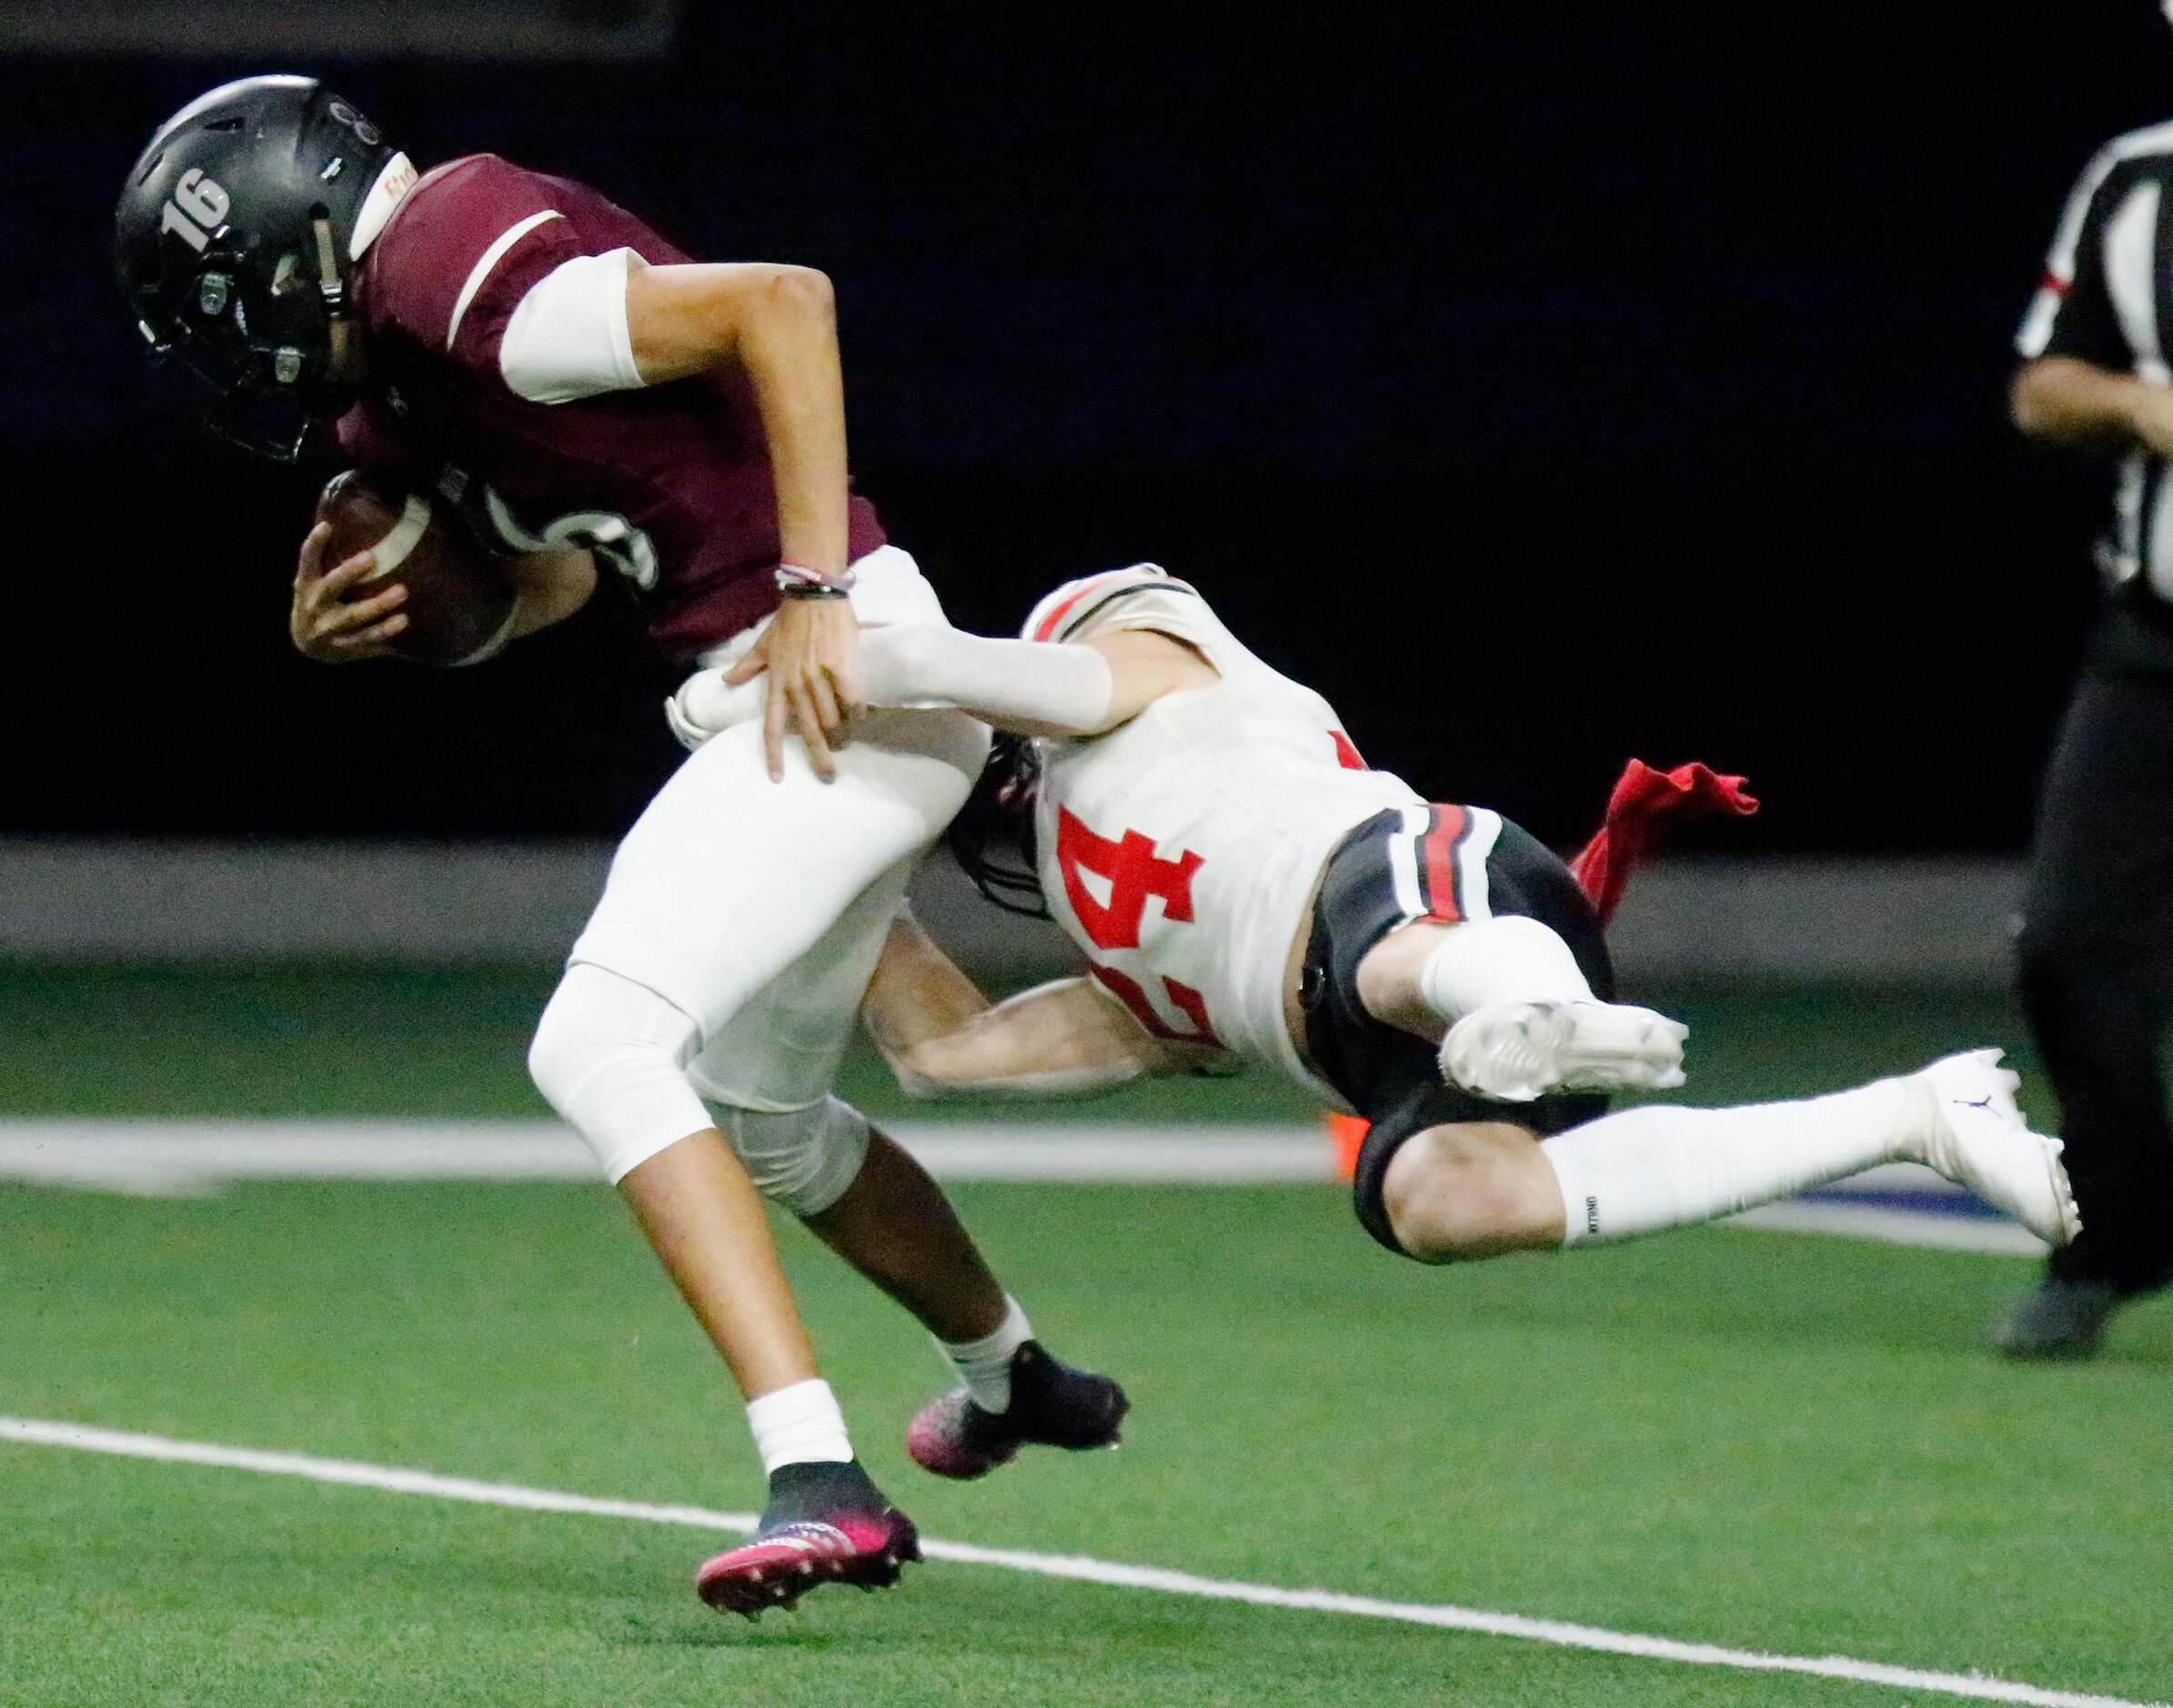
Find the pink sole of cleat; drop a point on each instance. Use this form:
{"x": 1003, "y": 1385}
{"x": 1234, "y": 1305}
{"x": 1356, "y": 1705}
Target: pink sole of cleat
{"x": 777, "y": 1572}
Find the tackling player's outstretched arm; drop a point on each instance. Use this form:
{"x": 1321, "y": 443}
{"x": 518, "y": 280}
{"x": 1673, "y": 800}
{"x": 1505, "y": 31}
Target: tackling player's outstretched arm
{"x": 2068, "y": 401}
{"x": 942, "y": 1036}
{"x": 548, "y": 587}
{"x": 778, "y": 325}
{"x": 1032, "y": 688}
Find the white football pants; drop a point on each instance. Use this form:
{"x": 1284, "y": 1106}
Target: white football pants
{"x": 759, "y": 910}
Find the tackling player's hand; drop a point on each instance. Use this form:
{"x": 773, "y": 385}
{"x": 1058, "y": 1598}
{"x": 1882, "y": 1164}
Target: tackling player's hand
{"x": 322, "y": 625}
{"x": 810, "y": 650}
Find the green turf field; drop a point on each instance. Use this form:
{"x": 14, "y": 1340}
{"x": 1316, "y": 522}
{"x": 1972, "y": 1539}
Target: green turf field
{"x": 306, "y": 1039}
{"x": 1767, "y": 1442}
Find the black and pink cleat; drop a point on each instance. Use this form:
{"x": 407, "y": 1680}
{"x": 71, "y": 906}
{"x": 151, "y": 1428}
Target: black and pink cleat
{"x": 826, "y": 1524}
{"x": 1052, "y": 1405}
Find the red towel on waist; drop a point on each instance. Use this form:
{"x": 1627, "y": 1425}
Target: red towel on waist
{"x": 1645, "y": 805}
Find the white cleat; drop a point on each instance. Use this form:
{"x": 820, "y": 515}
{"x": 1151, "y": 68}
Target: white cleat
{"x": 1516, "y": 1051}
{"x": 1982, "y": 1142}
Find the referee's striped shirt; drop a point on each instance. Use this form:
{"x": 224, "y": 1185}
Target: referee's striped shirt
{"x": 2106, "y": 299}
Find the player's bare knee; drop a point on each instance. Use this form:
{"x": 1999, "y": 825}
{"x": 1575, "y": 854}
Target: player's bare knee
{"x": 1387, "y": 977}
{"x": 1449, "y": 1196}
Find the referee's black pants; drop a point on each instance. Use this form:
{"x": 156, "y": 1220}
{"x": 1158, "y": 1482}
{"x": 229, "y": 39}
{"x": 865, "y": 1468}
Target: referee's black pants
{"x": 2097, "y": 965}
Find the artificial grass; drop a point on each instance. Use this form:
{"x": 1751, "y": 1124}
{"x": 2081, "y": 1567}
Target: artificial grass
{"x": 1756, "y": 1439}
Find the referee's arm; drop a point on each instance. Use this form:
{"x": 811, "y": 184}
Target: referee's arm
{"x": 2079, "y": 383}
{"x": 2064, "y": 400}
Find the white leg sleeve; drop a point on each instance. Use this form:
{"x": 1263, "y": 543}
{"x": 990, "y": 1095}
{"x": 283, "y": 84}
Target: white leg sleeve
{"x": 1642, "y": 1170}
{"x": 608, "y": 1056}
{"x": 803, "y": 1158}
{"x": 1509, "y": 958}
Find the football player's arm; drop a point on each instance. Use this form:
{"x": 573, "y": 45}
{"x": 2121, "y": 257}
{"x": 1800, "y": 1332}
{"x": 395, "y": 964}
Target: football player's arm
{"x": 1032, "y": 688}
{"x": 778, "y": 325}
{"x": 943, "y": 1038}
{"x": 549, "y": 586}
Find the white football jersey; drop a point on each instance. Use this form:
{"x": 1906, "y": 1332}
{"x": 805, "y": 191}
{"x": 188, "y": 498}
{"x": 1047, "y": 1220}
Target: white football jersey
{"x": 1180, "y": 850}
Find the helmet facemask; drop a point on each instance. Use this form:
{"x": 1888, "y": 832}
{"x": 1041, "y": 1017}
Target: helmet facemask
{"x": 993, "y": 837}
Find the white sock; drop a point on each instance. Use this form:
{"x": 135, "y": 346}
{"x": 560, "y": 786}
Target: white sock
{"x": 985, "y": 1365}
{"x": 798, "y": 1425}
{"x": 1659, "y": 1167}
{"x": 1506, "y": 959}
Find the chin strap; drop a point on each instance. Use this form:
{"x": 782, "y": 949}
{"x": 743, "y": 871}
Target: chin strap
{"x": 332, "y": 289}
{"x": 330, "y": 282}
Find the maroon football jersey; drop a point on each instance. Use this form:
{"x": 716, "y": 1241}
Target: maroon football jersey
{"x": 670, "y": 484}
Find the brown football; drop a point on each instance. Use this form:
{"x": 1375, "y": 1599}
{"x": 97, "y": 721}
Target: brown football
{"x": 458, "y": 599}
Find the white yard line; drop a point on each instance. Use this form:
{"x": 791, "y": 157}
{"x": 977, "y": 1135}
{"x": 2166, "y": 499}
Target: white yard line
{"x": 1558, "y": 1633}
{"x": 167, "y": 1158}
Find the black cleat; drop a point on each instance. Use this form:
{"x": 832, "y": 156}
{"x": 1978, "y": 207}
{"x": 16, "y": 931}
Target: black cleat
{"x": 1052, "y": 1405}
{"x": 825, "y": 1523}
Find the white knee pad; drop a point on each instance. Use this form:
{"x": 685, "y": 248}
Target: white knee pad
{"x": 1507, "y": 959}
{"x": 608, "y": 1056}
{"x": 803, "y": 1158}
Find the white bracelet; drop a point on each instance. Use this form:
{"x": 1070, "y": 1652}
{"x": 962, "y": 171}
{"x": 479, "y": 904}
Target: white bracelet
{"x": 797, "y": 578}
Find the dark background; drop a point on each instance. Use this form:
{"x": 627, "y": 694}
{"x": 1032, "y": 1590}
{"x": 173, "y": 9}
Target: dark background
{"x": 1545, "y": 385}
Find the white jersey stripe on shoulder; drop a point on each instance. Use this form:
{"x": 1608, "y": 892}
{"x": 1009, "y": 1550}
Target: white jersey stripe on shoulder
{"x": 491, "y": 257}
{"x": 1403, "y": 860}
{"x": 1471, "y": 862}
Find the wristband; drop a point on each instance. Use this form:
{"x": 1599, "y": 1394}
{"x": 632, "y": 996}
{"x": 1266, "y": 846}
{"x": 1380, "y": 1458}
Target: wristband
{"x": 804, "y": 583}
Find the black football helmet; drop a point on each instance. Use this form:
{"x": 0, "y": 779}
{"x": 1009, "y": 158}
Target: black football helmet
{"x": 993, "y": 837}
{"x": 234, "y": 240}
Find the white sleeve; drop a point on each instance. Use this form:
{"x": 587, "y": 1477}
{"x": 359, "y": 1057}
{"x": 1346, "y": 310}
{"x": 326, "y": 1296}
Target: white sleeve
{"x": 1043, "y": 685}
{"x": 569, "y": 338}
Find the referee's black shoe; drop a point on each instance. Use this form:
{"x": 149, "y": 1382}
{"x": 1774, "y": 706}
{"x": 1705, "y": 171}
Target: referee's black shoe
{"x": 2058, "y": 1320}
